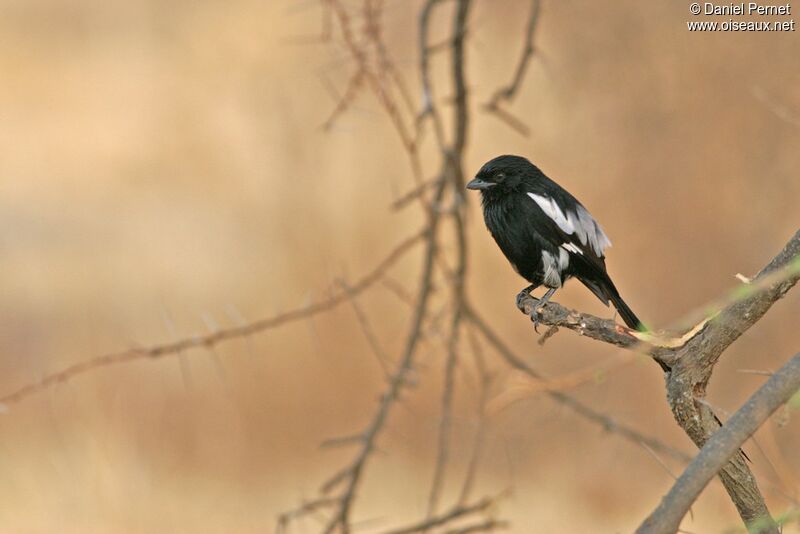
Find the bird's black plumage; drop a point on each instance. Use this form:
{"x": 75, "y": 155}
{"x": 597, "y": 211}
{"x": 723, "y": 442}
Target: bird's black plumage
{"x": 546, "y": 234}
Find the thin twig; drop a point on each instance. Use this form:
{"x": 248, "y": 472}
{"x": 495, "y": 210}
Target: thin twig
{"x": 453, "y": 161}
{"x": 443, "y": 448}
{"x": 480, "y": 434}
{"x": 755, "y": 372}
{"x": 506, "y": 94}
{"x": 523, "y": 386}
{"x": 354, "y": 472}
{"x": 488, "y": 525}
{"x": 456, "y": 512}
{"x": 369, "y": 332}
{"x": 448, "y": 391}
{"x": 307, "y": 508}
{"x": 215, "y": 338}
{"x": 429, "y": 108}
{"x": 417, "y": 192}
{"x": 607, "y": 423}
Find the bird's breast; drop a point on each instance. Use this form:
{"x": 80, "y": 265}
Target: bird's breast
{"x": 526, "y": 250}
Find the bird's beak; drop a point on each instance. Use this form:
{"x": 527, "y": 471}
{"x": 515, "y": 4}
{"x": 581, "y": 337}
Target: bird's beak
{"x": 479, "y": 184}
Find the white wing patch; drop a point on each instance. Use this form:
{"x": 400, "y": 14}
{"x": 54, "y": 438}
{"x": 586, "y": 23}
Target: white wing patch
{"x": 554, "y": 267}
{"x": 579, "y": 223}
{"x": 553, "y": 210}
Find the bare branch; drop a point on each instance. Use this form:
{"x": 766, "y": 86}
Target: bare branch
{"x": 215, "y": 338}
{"x": 772, "y": 283}
{"x": 506, "y": 94}
{"x": 691, "y": 358}
{"x": 486, "y": 526}
{"x": 429, "y": 108}
{"x": 375, "y": 71}
{"x": 354, "y": 85}
{"x": 349, "y": 478}
{"x": 369, "y": 332}
{"x": 453, "y": 166}
{"x": 575, "y": 405}
{"x": 721, "y": 446}
{"x": 397, "y": 289}
{"x": 307, "y": 508}
{"x": 414, "y": 194}
{"x": 523, "y": 386}
{"x": 352, "y": 474}
{"x": 456, "y": 512}
{"x": 443, "y": 448}
{"x": 694, "y": 363}
{"x": 480, "y": 434}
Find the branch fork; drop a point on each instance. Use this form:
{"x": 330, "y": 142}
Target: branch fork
{"x": 691, "y": 358}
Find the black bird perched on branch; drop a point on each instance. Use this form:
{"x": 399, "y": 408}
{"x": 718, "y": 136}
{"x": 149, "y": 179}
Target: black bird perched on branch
{"x": 546, "y": 234}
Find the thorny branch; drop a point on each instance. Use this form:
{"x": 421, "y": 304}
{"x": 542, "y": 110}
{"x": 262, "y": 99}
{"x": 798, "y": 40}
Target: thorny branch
{"x": 374, "y": 67}
{"x": 211, "y": 340}
{"x": 375, "y": 70}
{"x": 691, "y": 355}
{"x": 349, "y": 478}
{"x": 453, "y": 161}
{"x": 450, "y": 183}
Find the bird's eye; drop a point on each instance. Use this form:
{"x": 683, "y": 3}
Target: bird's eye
{"x": 499, "y": 177}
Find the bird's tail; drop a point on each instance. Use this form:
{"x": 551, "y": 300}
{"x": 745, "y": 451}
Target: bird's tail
{"x": 602, "y": 286}
{"x": 625, "y": 311}
{"x": 608, "y": 291}
{"x": 633, "y": 322}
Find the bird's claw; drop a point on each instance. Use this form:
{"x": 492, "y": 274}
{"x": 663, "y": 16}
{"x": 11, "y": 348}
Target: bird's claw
{"x": 521, "y": 296}
{"x": 536, "y": 317}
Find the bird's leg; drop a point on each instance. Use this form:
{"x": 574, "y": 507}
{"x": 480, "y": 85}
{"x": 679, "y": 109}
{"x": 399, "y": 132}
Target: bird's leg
{"x": 542, "y": 301}
{"x": 522, "y": 295}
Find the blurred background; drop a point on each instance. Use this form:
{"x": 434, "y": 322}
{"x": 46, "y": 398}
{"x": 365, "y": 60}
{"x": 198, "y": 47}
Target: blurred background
{"x": 164, "y": 172}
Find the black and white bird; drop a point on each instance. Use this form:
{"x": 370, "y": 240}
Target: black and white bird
{"x": 546, "y": 234}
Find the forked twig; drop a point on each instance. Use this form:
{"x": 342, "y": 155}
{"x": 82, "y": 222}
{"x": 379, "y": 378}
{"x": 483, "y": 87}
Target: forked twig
{"x": 507, "y": 93}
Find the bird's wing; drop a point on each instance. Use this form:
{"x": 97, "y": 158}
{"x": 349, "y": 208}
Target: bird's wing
{"x": 571, "y": 227}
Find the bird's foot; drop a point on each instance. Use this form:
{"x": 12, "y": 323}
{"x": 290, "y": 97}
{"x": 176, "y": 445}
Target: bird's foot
{"x": 536, "y": 316}
{"x": 522, "y": 296}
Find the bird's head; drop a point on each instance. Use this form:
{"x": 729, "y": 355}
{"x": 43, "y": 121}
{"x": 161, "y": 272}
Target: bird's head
{"x": 503, "y": 174}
